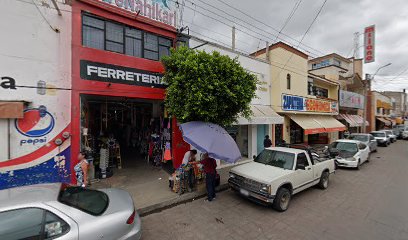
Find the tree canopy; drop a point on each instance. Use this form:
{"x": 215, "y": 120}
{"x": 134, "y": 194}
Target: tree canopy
{"x": 207, "y": 87}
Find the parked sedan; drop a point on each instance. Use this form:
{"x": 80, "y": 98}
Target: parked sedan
{"x": 59, "y": 211}
{"x": 390, "y": 134}
{"x": 367, "y": 139}
{"x": 382, "y": 138}
{"x": 351, "y": 153}
{"x": 398, "y": 130}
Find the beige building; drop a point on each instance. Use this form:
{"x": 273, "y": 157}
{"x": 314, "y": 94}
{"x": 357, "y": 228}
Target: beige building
{"x": 308, "y": 102}
{"x": 400, "y": 106}
{"x": 347, "y": 73}
{"x": 382, "y": 108}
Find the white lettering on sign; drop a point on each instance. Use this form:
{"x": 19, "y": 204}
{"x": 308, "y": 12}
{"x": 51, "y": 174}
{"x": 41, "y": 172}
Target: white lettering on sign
{"x": 369, "y": 44}
{"x": 117, "y": 74}
{"x": 158, "y": 10}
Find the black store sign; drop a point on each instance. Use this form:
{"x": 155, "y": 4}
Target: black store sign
{"x": 118, "y": 74}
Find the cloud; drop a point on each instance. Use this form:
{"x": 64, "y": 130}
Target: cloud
{"x": 332, "y": 32}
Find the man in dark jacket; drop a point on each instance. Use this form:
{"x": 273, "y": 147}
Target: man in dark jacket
{"x": 210, "y": 166}
{"x": 267, "y": 142}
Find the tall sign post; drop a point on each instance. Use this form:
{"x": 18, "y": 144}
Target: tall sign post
{"x": 369, "y": 44}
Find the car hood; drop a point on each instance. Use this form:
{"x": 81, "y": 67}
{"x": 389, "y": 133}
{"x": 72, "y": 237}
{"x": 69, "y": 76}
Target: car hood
{"x": 259, "y": 172}
{"x": 380, "y": 138}
{"x": 346, "y": 154}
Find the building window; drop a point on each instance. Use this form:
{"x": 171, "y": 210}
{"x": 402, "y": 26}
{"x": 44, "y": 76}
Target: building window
{"x": 110, "y": 36}
{"x": 320, "y": 92}
{"x": 288, "y": 79}
{"x": 321, "y": 64}
{"x": 310, "y": 86}
{"x": 93, "y": 32}
{"x": 336, "y": 62}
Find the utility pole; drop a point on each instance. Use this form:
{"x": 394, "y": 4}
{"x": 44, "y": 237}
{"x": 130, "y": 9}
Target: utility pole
{"x": 267, "y": 51}
{"x": 367, "y": 89}
{"x": 233, "y": 38}
{"x": 367, "y": 93}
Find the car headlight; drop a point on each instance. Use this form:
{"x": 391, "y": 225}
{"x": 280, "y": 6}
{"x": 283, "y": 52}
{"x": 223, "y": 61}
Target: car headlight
{"x": 265, "y": 188}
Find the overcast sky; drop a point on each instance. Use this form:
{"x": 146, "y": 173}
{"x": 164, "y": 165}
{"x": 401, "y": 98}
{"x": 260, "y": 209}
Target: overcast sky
{"x": 332, "y": 31}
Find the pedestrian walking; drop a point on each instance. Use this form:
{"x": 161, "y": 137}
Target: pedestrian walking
{"x": 210, "y": 166}
{"x": 267, "y": 142}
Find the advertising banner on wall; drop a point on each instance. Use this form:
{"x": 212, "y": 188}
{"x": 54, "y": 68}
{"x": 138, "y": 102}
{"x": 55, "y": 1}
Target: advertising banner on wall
{"x": 351, "y": 100}
{"x": 369, "y": 44}
{"x": 303, "y": 104}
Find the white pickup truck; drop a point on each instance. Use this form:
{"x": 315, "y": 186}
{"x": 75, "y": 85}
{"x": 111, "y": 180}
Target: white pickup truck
{"x": 279, "y": 172}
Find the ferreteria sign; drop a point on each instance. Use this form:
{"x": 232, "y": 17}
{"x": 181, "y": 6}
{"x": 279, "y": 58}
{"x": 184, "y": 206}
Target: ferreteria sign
{"x": 118, "y": 74}
{"x": 158, "y": 10}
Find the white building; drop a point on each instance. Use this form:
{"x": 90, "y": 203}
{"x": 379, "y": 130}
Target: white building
{"x": 249, "y": 134}
{"x": 35, "y": 96}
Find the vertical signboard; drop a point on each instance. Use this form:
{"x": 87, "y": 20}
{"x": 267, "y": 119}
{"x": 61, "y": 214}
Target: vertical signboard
{"x": 369, "y": 44}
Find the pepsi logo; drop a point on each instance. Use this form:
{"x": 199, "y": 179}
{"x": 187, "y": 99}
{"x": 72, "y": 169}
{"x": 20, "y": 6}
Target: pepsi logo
{"x": 35, "y": 123}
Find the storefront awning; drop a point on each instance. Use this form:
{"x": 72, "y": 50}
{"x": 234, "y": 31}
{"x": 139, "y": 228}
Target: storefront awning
{"x": 11, "y": 110}
{"x": 262, "y": 114}
{"x": 313, "y": 124}
{"x": 354, "y": 120}
{"x": 394, "y": 122}
{"x": 330, "y": 123}
{"x": 399, "y": 120}
{"x": 386, "y": 122}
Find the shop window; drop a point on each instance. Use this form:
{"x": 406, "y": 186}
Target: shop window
{"x": 114, "y": 37}
{"x": 133, "y": 42}
{"x": 93, "y": 32}
{"x": 288, "y": 79}
{"x": 106, "y": 35}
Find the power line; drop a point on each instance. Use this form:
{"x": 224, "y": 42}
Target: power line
{"x": 307, "y": 30}
{"x": 46, "y": 20}
{"x": 232, "y": 21}
{"x": 292, "y": 13}
{"x": 271, "y": 27}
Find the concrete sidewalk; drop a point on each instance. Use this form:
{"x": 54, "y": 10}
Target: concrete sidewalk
{"x": 150, "y": 188}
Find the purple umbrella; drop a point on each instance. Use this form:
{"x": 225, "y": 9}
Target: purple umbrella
{"x": 211, "y": 138}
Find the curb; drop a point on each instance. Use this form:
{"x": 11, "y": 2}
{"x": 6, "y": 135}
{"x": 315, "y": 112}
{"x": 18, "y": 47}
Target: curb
{"x": 185, "y": 198}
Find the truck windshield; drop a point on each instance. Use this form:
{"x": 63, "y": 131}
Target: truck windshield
{"x": 378, "y": 134}
{"x": 362, "y": 138}
{"x": 276, "y": 158}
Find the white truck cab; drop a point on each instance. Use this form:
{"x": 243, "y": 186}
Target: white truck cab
{"x": 279, "y": 172}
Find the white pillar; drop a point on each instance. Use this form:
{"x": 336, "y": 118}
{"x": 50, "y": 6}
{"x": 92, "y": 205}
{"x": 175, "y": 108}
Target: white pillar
{"x": 252, "y": 141}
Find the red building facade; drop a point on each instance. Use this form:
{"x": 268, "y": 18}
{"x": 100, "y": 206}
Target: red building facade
{"x": 115, "y": 54}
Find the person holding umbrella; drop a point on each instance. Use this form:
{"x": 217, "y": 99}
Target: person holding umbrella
{"x": 209, "y": 165}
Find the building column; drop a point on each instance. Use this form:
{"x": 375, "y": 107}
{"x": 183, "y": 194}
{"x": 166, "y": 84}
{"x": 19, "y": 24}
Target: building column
{"x": 252, "y": 141}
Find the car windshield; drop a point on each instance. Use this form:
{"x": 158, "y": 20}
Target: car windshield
{"x": 362, "y": 138}
{"x": 276, "y": 158}
{"x": 345, "y": 146}
{"x": 378, "y": 134}
{"x": 90, "y": 201}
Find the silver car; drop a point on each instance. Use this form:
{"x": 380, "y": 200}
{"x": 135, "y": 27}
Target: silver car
{"x": 382, "y": 138}
{"x": 390, "y": 134}
{"x": 59, "y": 211}
{"x": 367, "y": 139}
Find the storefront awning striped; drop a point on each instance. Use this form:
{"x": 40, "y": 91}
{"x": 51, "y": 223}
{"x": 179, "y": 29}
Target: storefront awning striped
{"x": 262, "y": 114}
{"x": 313, "y": 124}
{"x": 353, "y": 120}
{"x": 386, "y": 122}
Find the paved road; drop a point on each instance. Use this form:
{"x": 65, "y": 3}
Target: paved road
{"x": 368, "y": 204}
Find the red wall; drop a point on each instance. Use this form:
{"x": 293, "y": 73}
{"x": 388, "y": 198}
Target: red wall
{"x": 79, "y": 52}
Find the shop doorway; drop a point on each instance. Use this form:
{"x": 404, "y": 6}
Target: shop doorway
{"x": 123, "y": 134}
{"x": 296, "y": 133}
{"x": 262, "y": 131}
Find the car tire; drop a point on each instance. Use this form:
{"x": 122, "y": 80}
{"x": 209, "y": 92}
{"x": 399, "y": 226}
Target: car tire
{"x": 282, "y": 200}
{"x": 358, "y": 165}
{"x": 324, "y": 180}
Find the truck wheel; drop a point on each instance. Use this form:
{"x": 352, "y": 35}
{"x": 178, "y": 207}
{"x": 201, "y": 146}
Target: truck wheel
{"x": 324, "y": 180}
{"x": 282, "y": 200}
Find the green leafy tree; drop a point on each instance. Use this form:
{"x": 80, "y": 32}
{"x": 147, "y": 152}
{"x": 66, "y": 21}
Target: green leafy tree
{"x": 207, "y": 87}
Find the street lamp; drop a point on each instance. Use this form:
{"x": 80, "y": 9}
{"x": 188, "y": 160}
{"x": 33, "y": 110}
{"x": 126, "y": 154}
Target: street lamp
{"x": 366, "y": 86}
